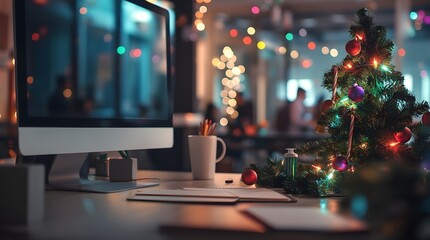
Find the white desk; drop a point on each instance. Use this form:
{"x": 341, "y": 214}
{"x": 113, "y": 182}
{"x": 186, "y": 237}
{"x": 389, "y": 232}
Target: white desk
{"x": 76, "y": 215}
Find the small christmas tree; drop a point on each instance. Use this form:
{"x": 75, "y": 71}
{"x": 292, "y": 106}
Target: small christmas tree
{"x": 370, "y": 116}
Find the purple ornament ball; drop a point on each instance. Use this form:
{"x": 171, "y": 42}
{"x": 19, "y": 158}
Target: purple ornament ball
{"x": 340, "y": 163}
{"x": 356, "y": 93}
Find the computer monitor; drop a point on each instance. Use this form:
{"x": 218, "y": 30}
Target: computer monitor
{"x": 91, "y": 76}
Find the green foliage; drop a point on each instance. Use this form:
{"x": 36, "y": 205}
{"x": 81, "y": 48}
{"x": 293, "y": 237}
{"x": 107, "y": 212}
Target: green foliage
{"x": 387, "y": 107}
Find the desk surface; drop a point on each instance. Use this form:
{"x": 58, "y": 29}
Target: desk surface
{"x": 76, "y": 215}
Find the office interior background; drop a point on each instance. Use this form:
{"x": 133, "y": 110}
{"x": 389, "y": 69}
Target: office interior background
{"x": 261, "y": 49}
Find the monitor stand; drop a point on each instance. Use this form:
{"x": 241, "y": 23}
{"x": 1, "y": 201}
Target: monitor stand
{"x": 64, "y": 175}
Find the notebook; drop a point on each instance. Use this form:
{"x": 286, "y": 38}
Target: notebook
{"x": 304, "y": 219}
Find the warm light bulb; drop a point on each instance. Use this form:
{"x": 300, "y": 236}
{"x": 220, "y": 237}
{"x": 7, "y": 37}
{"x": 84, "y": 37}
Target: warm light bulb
{"x": 375, "y": 63}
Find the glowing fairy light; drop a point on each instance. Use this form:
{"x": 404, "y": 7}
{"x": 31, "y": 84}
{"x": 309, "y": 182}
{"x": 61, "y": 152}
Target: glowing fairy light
{"x": 385, "y": 68}
{"x": 316, "y": 167}
{"x": 375, "y": 63}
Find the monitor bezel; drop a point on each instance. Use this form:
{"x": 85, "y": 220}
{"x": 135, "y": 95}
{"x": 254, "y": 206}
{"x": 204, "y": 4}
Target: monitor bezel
{"x": 23, "y": 118}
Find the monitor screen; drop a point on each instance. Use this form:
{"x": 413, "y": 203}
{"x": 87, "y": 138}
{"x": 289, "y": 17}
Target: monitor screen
{"x": 92, "y": 65}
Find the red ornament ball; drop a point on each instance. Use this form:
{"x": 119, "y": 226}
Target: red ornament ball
{"x": 353, "y": 47}
{"x": 340, "y": 163}
{"x": 326, "y": 105}
{"x": 403, "y": 136}
{"x": 356, "y": 93}
{"x": 249, "y": 176}
{"x": 426, "y": 119}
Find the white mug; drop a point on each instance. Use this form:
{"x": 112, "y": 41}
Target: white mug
{"x": 203, "y": 155}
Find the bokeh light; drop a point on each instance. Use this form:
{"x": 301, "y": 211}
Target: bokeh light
{"x": 303, "y": 32}
{"x": 67, "y": 93}
{"x": 120, "y": 50}
{"x": 223, "y": 121}
{"x": 83, "y": 10}
{"x": 255, "y": 10}
{"x": 30, "y": 80}
{"x": 200, "y": 26}
{"x": 35, "y": 36}
{"x": 334, "y": 52}
{"x": 203, "y": 9}
{"x": 294, "y": 54}
{"x": 413, "y": 15}
{"x": 312, "y": 45}
{"x": 199, "y": 14}
{"x": 307, "y": 63}
{"x": 236, "y": 70}
{"x": 325, "y": 50}
{"x": 233, "y": 32}
{"x": 135, "y": 53}
{"x": 247, "y": 40}
{"x": 250, "y": 31}
{"x": 282, "y": 50}
{"x": 261, "y": 45}
{"x": 401, "y": 52}
{"x": 289, "y": 36}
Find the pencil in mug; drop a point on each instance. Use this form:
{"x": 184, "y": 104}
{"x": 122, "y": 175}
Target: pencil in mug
{"x": 207, "y": 128}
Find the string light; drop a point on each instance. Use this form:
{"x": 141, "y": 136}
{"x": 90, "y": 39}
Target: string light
{"x": 231, "y": 82}
{"x": 375, "y": 63}
{"x": 385, "y": 68}
{"x": 348, "y": 65}
{"x": 359, "y": 37}
{"x": 201, "y": 11}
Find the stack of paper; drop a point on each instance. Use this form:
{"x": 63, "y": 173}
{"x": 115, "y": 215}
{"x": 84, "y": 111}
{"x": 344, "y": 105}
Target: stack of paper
{"x": 211, "y": 195}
